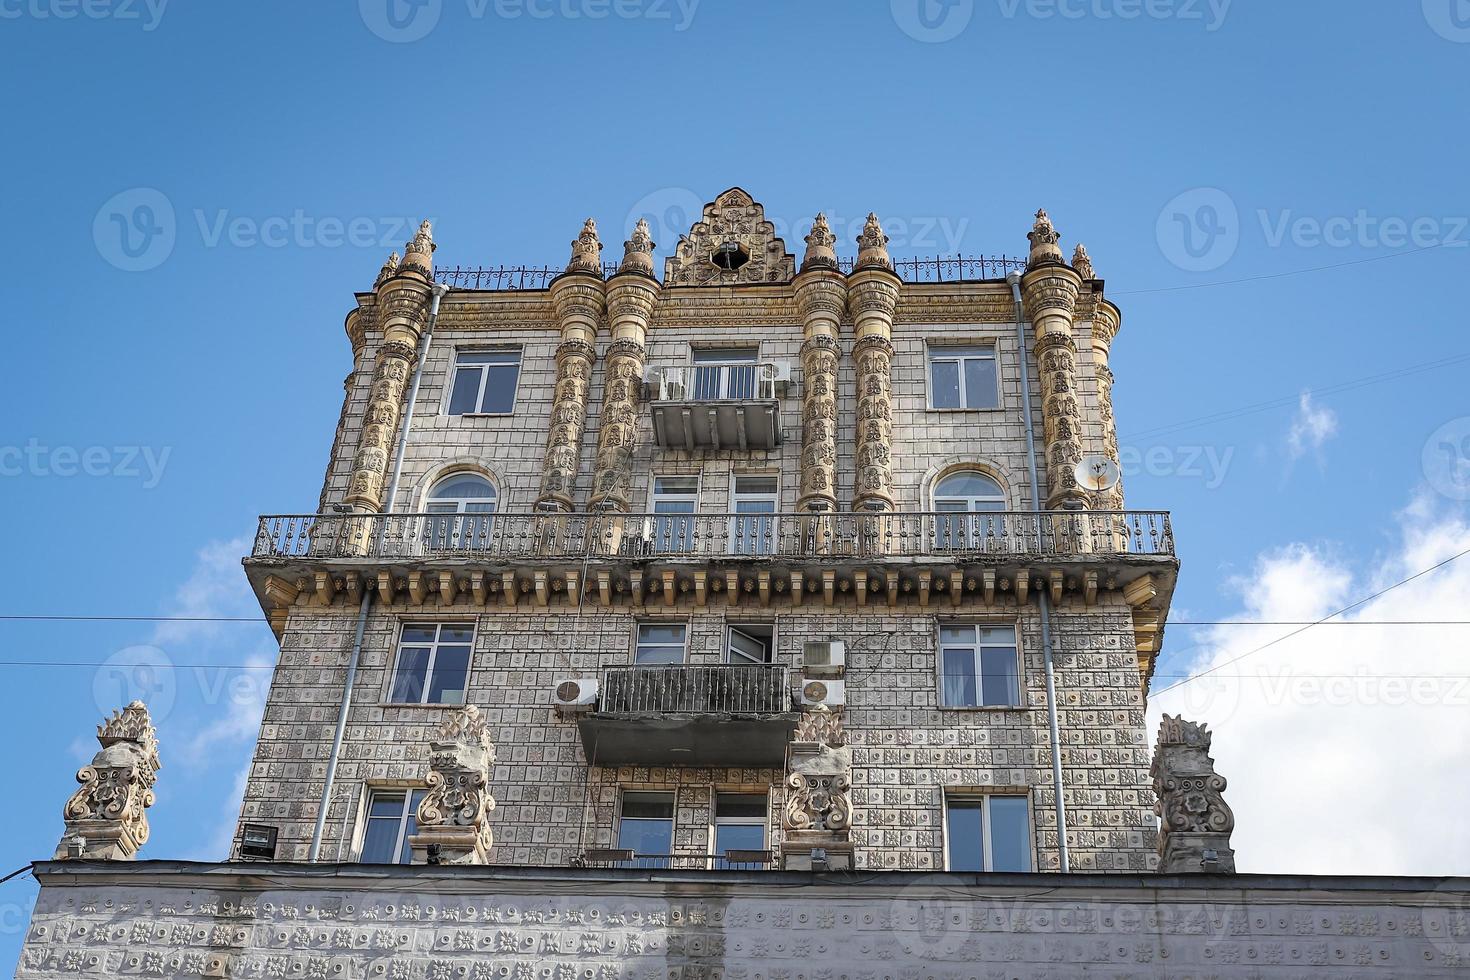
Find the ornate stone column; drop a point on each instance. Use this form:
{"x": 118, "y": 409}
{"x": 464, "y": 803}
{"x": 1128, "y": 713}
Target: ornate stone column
{"x": 1106, "y": 318}
{"x": 872, "y": 299}
{"x": 454, "y": 816}
{"x": 818, "y": 814}
{"x": 402, "y": 308}
{"x": 578, "y": 297}
{"x": 1195, "y": 823}
{"x": 821, "y": 296}
{"x": 631, "y": 295}
{"x": 1051, "y": 288}
{"x": 107, "y": 819}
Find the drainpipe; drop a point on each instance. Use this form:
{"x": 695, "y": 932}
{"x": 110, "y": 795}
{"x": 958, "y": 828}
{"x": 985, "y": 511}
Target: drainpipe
{"x": 391, "y": 499}
{"x": 1042, "y": 597}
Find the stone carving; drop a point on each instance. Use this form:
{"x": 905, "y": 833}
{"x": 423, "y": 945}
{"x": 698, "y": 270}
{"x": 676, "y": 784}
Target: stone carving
{"x": 818, "y": 813}
{"x": 1051, "y": 287}
{"x": 638, "y": 251}
{"x": 733, "y": 217}
{"x": 820, "y": 246}
{"x": 1195, "y": 823}
{"x": 1082, "y": 262}
{"x": 872, "y": 296}
{"x": 419, "y": 253}
{"x": 630, "y": 302}
{"x": 1105, "y": 321}
{"x": 586, "y": 252}
{"x": 873, "y": 246}
{"x": 821, "y": 724}
{"x": 454, "y": 815}
{"x": 821, "y": 296}
{"x": 106, "y": 818}
{"x": 389, "y": 270}
{"x": 1044, "y": 241}
{"x": 580, "y": 303}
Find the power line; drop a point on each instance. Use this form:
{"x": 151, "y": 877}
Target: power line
{"x": 1282, "y": 275}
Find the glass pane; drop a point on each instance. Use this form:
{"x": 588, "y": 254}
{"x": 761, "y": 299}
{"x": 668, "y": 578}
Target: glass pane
{"x": 653, "y": 655}
{"x": 679, "y": 485}
{"x": 661, "y": 633}
{"x": 418, "y": 634}
{"x": 456, "y": 634}
{"x": 1000, "y": 685}
{"x": 706, "y": 355}
{"x": 500, "y": 388}
{"x": 411, "y": 827}
{"x": 386, "y": 805}
{"x": 744, "y": 646}
{"x": 451, "y": 669}
{"x": 981, "y": 390}
{"x": 966, "y": 834}
{"x": 746, "y": 837}
{"x": 998, "y": 635}
{"x": 408, "y": 678}
{"x": 983, "y": 350}
{"x": 488, "y": 357}
{"x": 653, "y": 805}
{"x": 959, "y": 678}
{"x": 466, "y": 390}
{"x": 1010, "y": 834}
{"x": 745, "y": 805}
{"x": 944, "y": 384}
{"x": 460, "y": 487}
{"x": 957, "y": 634}
{"x": 381, "y": 836}
{"x": 967, "y": 483}
{"x": 755, "y": 484}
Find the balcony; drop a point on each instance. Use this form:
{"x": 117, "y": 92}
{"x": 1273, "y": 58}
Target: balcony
{"x": 731, "y": 860}
{"x": 718, "y": 405}
{"x": 735, "y": 716}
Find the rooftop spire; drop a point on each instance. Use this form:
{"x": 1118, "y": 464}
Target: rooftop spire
{"x": 587, "y": 251}
{"x": 638, "y": 251}
{"x": 873, "y": 246}
{"x": 1082, "y": 262}
{"x": 820, "y": 253}
{"x": 1044, "y": 240}
{"x": 389, "y": 269}
{"x": 419, "y": 253}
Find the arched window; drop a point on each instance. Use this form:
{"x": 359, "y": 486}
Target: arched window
{"x": 968, "y": 492}
{"x": 461, "y": 493}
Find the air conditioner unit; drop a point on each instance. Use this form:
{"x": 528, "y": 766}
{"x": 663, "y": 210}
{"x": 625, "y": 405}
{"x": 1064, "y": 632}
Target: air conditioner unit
{"x": 574, "y": 694}
{"x": 824, "y": 658}
{"x": 671, "y": 385}
{"x": 815, "y": 691}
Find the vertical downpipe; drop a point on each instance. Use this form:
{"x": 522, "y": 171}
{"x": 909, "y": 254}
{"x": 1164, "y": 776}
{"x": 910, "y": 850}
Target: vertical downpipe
{"x": 391, "y": 499}
{"x": 1043, "y": 599}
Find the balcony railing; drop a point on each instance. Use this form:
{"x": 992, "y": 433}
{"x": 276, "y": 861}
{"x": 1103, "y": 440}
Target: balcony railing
{"x": 735, "y": 689}
{"x": 745, "y": 381}
{"x": 670, "y": 537}
{"x": 728, "y": 861}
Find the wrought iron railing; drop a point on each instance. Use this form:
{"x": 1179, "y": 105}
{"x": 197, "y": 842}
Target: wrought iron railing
{"x": 724, "y": 689}
{"x": 551, "y": 536}
{"x": 755, "y": 380}
{"x": 728, "y": 861}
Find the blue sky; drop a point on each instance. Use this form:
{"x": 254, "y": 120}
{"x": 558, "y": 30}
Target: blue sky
{"x": 168, "y": 385}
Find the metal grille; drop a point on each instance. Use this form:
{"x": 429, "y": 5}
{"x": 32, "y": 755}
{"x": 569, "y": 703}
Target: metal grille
{"x": 756, "y": 689}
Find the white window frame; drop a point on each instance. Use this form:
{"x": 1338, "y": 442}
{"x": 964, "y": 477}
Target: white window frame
{"x": 987, "y": 825}
{"x": 638, "y": 628}
{"x": 655, "y": 497}
{"x": 962, "y": 530}
{"x": 454, "y": 368}
{"x": 434, "y": 645}
{"x": 717, "y": 821}
{"x": 409, "y": 809}
{"x": 976, "y": 648}
{"x": 702, "y": 357}
{"x": 935, "y": 352}
{"x": 755, "y": 545}
{"x": 744, "y": 625}
{"x": 673, "y": 795}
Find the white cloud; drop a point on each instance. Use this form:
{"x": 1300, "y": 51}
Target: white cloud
{"x": 1311, "y": 428}
{"x": 1344, "y": 747}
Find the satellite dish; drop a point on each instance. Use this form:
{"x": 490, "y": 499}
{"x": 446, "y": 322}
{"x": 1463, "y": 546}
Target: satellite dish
{"x": 1097, "y": 473}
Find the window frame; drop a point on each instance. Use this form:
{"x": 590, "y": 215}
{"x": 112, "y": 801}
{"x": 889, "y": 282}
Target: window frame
{"x": 733, "y": 625}
{"x": 638, "y": 627}
{"x": 439, "y": 625}
{"x": 454, "y": 368}
{"x": 977, "y": 647}
{"x": 700, "y": 357}
{"x": 636, "y": 862}
{"x": 736, "y": 539}
{"x": 930, "y": 356}
{"x": 412, "y": 797}
{"x": 987, "y": 848}
{"x": 686, "y": 537}
{"x": 717, "y": 857}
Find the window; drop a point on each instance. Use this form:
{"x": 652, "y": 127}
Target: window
{"x": 674, "y": 495}
{"x": 484, "y": 382}
{"x": 461, "y": 494}
{"x": 749, "y": 643}
{"x": 390, "y": 823}
{"x": 963, "y": 377}
{"x": 661, "y": 644}
{"x": 753, "y": 535}
{"x": 646, "y": 828}
{"x": 740, "y": 825}
{"x": 433, "y": 664}
{"x": 988, "y": 833}
{"x": 979, "y": 667}
{"x": 725, "y": 372}
{"x": 967, "y": 492}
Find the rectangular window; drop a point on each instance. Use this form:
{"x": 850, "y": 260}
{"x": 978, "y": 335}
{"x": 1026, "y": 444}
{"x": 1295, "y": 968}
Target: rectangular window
{"x": 485, "y": 382}
{"x": 725, "y": 373}
{"x": 646, "y": 827}
{"x": 751, "y": 535}
{"x": 433, "y": 663}
{"x": 661, "y": 644}
{"x": 749, "y": 643}
{"x": 978, "y": 666}
{"x": 988, "y": 833}
{"x": 674, "y": 495}
{"x": 390, "y": 823}
{"x": 963, "y": 377}
{"x": 740, "y": 825}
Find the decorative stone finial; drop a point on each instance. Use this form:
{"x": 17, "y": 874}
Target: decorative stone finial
{"x": 821, "y": 724}
{"x": 873, "y": 246}
{"x": 638, "y": 251}
{"x": 1044, "y": 238}
{"x": 388, "y": 271}
{"x": 1082, "y": 262}
{"x": 106, "y": 818}
{"x": 820, "y": 250}
{"x": 818, "y": 813}
{"x": 1195, "y": 824}
{"x": 587, "y": 251}
{"x": 419, "y": 253}
{"x": 453, "y": 817}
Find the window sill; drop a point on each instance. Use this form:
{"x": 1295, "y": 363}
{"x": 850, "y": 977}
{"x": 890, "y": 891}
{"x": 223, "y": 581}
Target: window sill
{"x": 966, "y": 411}
{"x": 983, "y": 707}
{"x": 415, "y": 704}
{"x": 479, "y": 415}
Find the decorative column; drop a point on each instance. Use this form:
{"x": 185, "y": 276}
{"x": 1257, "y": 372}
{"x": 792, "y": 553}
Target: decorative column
{"x": 821, "y": 296}
{"x": 872, "y": 298}
{"x": 402, "y": 307}
{"x": 454, "y": 816}
{"x": 578, "y": 297}
{"x": 631, "y": 295}
{"x": 818, "y": 814}
{"x": 107, "y": 819}
{"x": 1106, "y": 319}
{"x": 1051, "y": 288}
{"x": 1195, "y": 823}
